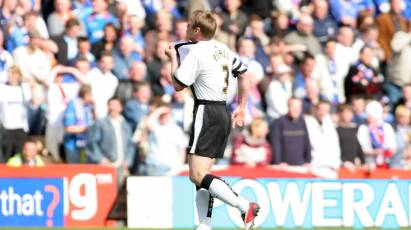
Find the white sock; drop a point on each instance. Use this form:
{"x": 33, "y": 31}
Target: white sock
{"x": 218, "y": 188}
{"x": 203, "y": 209}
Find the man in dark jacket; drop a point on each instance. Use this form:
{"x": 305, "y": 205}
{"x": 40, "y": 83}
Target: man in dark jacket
{"x": 67, "y": 42}
{"x": 289, "y": 139}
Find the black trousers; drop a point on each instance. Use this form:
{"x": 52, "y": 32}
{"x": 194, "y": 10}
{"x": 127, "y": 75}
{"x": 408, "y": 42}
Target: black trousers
{"x": 12, "y": 143}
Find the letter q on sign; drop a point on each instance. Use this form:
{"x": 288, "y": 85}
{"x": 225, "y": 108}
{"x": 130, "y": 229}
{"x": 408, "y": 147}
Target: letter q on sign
{"x": 82, "y": 192}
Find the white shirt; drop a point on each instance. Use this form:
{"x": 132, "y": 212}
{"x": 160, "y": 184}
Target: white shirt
{"x": 33, "y": 64}
{"x": 208, "y": 68}
{"x": 13, "y": 109}
{"x": 167, "y": 143}
{"x": 116, "y": 123}
{"x": 325, "y": 145}
{"x": 276, "y": 97}
{"x": 365, "y": 139}
{"x": 72, "y": 47}
{"x": 103, "y": 87}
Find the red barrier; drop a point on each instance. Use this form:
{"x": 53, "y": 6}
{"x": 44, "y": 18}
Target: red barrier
{"x": 295, "y": 172}
{"x": 89, "y": 190}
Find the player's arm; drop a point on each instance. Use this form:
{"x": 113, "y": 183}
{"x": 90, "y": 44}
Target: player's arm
{"x": 240, "y": 72}
{"x": 172, "y": 54}
{"x": 244, "y": 85}
{"x": 184, "y": 75}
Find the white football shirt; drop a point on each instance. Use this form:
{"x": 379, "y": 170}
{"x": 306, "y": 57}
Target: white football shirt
{"x": 206, "y": 67}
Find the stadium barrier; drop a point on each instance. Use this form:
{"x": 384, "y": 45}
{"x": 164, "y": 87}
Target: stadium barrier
{"x": 56, "y": 195}
{"x": 287, "y": 199}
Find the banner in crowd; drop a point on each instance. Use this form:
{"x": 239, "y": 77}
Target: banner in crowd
{"x": 284, "y": 202}
{"x": 31, "y": 202}
{"x": 86, "y": 193}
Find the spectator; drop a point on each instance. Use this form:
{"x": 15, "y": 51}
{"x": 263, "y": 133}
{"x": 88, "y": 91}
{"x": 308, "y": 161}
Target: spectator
{"x": 131, "y": 8}
{"x": 32, "y": 61}
{"x": 166, "y": 143}
{"x": 358, "y": 106}
{"x": 261, "y": 8}
{"x": 19, "y": 31}
{"x": 58, "y": 19}
{"x": 279, "y": 91}
{"x": 154, "y": 64}
{"x": 124, "y": 56}
{"x": 167, "y": 6}
{"x": 304, "y": 36}
{"x": 388, "y": 24}
{"x": 402, "y": 135}
{"x": 306, "y": 71}
{"x": 29, "y": 156}
{"x": 365, "y": 18}
{"x": 14, "y": 97}
{"x": 109, "y": 141}
{"x": 234, "y": 19}
{"x": 108, "y": 43}
{"x": 84, "y": 51}
{"x": 136, "y": 74}
{"x": 255, "y": 31}
{"x": 344, "y": 47}
{"x": 289, "y": 139}
{"x": 251, "y": 147}
{"x": 161, "y": 32}
{"x": 182, "y": 106}
{"x": 324, "y": 26}
{"x": 164, "y": 87}
{"x": 68, "y": 42}
{"x": 362, "y": 79}
{"x": 399, "y": 69}
{"x": 312, "y": 97}
{"x": 325, "y": 147}
{"x": 377, "y": 138}
{"x": 97, "y": 20}
{"x": 77, "y": 119}
{"x": 351, "y": 152}
{"x": 221, "y": 35}
{"x": 133, "y": 30}
{"x": 406, "y": 98}
{"x": 6, "y": 60}
{"x": 336, "y": 69}
{"x": 368, "y": 37}
{"x": 8, "y": 13}
{"x": 63, "y": 86}
{"x": 246, "y": 52}
{"x": 346, "y": 12}
{"x": 103, "y": 84}
{"x": 279, "y": 24}
{"x": 137, "y": 107}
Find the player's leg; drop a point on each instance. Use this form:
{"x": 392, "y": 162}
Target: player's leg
{"x": 215, "y": 185}
{"x": 204, "y": 204}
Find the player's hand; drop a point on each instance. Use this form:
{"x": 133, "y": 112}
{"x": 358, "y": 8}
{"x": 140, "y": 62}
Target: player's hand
{"x": 237, "y": 117}
{"x": 170, "y": 52}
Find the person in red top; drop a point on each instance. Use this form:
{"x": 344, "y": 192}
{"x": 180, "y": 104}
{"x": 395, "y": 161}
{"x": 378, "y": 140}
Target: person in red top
{"x": 251, "y": 147}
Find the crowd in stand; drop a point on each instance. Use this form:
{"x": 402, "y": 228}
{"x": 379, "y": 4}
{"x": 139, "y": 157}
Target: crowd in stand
{"x": 87, "y": 81}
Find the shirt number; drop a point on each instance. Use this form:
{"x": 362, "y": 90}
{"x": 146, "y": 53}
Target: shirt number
{"x": 225, "y": 70}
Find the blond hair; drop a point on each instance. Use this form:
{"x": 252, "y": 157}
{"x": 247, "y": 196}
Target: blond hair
{"x": 402, "y": 111}
{"x": 204, "y": 20}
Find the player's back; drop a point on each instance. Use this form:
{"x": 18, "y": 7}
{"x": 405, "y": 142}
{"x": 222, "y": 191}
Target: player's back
{"x": 213, "y": 70}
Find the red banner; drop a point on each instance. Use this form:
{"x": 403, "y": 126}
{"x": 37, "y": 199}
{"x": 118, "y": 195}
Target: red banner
{"x": 89, "y": 190}
{"x": 298, "y": 172}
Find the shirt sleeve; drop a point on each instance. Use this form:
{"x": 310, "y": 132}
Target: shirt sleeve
{"x": 237, "y": 67}
{"x": 189, "y": 70}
